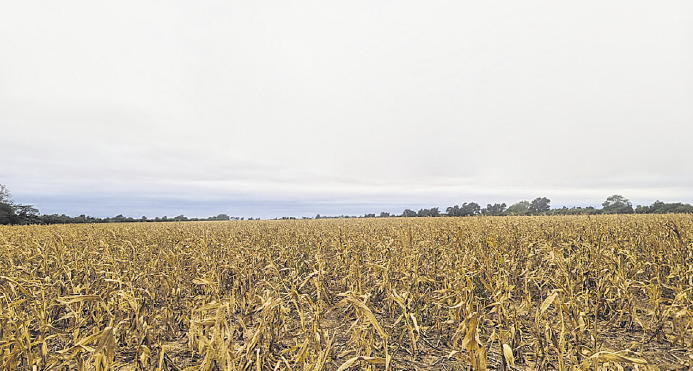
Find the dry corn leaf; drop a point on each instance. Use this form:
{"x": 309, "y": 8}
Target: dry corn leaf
{"x": 547, "y": 302}
{"x": 371, "y": 360}
{"x": 605, "y": 356}
{"x": 508, "y": 355}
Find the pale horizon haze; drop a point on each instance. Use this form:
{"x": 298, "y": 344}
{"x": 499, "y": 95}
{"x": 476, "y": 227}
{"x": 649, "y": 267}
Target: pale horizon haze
{"x": 296, "y": 108}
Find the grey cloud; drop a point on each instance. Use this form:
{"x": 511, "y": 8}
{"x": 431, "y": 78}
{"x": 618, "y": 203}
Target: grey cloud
{"x": 347, "y": 102}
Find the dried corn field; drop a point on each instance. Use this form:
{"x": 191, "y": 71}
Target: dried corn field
{"x": 504, "y": 293}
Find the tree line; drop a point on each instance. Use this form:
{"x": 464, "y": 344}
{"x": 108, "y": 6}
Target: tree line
{"x": 13, "y": 213}
{"x": 615, "y": 204}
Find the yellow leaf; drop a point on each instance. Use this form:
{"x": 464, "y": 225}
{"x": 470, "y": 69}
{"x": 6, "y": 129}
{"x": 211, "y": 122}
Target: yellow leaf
{"x": 547, "y": 302}
{"x": 508, "y": 354}
{"x": 605, "y": 356}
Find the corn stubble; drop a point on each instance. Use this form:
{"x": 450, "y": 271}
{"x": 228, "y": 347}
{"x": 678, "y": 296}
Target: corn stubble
{"x": 530, "y": 293}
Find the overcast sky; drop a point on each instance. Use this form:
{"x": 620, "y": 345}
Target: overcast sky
{"x": 272, "y": 108}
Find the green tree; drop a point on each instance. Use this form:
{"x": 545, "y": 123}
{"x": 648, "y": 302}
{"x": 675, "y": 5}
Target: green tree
{"x": 453, "y": 210}
{"x": 520, "y": 208}
{"x": 617, "y": 204}
{"x": 470, "y": 209}
{"x": 432, "y": 212}
{"x": 11, "y": 213}
{"x": 467, "y": 209}
{"x": 495, "y": 209}
{"x": 408, "y": 213}
{"x": 219, "y": 217}
{"x": 540, "y": 205}
{"x": 7, "y": 213}
{"x": 659, "y": 207}
{"x": 27, "y": 214}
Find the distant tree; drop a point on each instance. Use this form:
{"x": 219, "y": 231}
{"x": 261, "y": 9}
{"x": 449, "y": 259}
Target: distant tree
{"x": 470, "y": 209}
{"x": 495, "y": 209}
{"x": 519, "y": 208}
{"x": 7, "y": 215}
{"x": 220, "y": 217}
{"x": 659, "y": 207}
{"x": 384, "y": 214}
{"x": 432, "y": 212}
{"x": 540, "y": 205}
{"x": 27, "y": 214}
{"x": 316, "y": 217}
{"x": 56, "y": 219}
{"x": 617, "y": 204}
{"x": 640, "y": 209}
{"x": 11, "y": 213}
{"x": 453, "y": 211}
{"x": 369, "y": 216}
{"x": 679, "y": 208}
{"x": 467, "y": 209}
{"x": 408, "y": 213}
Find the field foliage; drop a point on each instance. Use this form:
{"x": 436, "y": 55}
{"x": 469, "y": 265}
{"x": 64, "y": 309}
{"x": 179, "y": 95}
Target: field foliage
{"x": 562, "y": 292}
